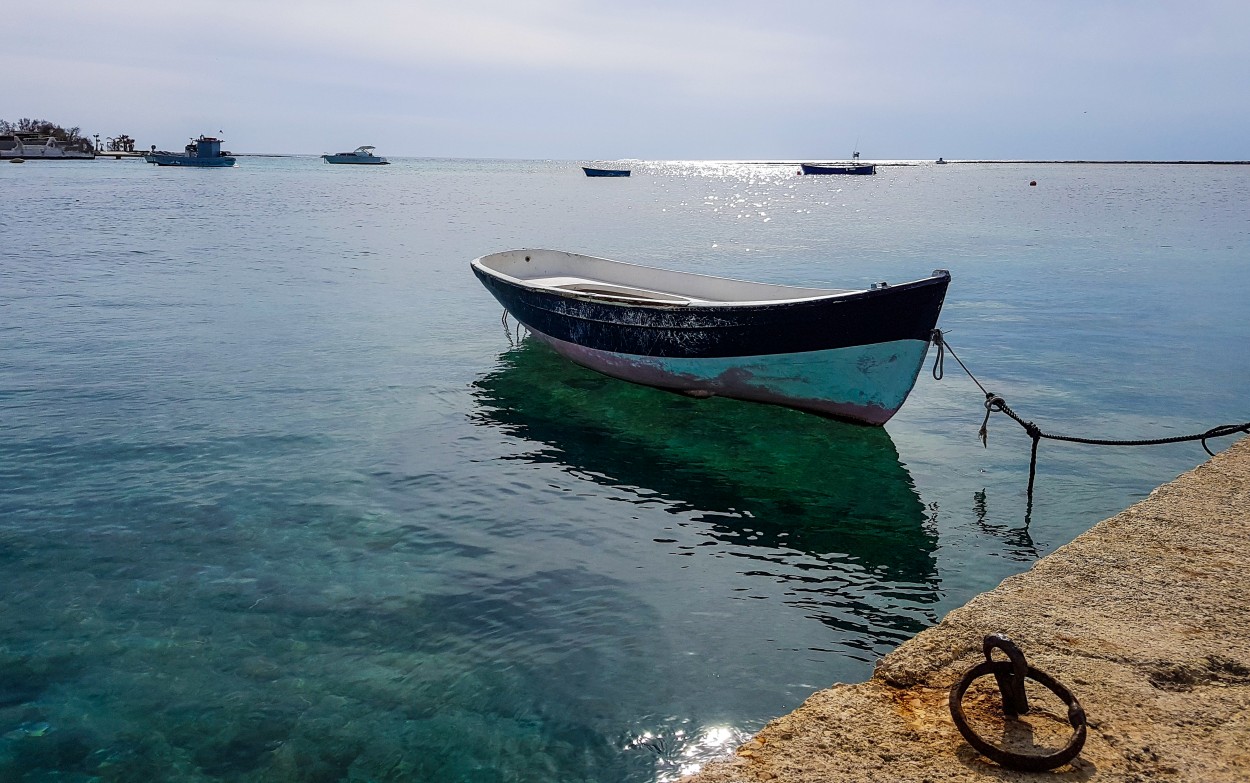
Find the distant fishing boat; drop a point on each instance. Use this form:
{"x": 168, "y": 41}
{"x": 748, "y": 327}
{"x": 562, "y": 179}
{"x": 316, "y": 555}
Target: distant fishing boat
{"x": 592, "y": 172}
{"x": 360, "y": 156}
{"x": 858, "y": 168}
{"x": 852, "y": 354}
{"x": 854, "y": 167}
{"x": 204, "y": 152}
{"x": 940, "y": 161}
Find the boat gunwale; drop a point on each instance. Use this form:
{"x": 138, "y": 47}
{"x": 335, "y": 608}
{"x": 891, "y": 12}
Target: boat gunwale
{"x": 693, "y": 303}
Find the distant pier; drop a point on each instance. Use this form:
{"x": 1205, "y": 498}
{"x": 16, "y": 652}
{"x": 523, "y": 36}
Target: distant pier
{"x": 1145, "y": 618}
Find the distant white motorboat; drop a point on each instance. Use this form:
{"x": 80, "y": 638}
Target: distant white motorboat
{"x": 26, "y": 146}
{"x": 360, "y": 156}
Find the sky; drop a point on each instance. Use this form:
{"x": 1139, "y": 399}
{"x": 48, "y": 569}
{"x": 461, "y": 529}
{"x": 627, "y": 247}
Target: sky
{"x": 644, "y": 79}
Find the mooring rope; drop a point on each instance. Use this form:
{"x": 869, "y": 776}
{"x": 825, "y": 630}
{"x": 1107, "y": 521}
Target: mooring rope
{"x": 507, "y": 329}
{"x": 996, "y": 404}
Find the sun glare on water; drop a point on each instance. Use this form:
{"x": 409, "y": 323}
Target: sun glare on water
{"x": 683, "y": 753}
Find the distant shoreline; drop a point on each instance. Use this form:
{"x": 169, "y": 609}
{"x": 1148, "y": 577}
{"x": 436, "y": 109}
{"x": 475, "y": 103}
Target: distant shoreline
{"x": 880, "y": 162}
{"x": 1039, "y": 162}
{"x": 892, "y": 162}
{"x": 1122, "y": 162}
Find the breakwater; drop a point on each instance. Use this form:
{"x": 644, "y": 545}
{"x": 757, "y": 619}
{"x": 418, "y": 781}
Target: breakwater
{"x": 1144, "y": 617}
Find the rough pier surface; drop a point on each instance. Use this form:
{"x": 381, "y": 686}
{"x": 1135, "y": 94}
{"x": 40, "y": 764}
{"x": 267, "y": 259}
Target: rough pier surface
{"x": 1146, "y": 618}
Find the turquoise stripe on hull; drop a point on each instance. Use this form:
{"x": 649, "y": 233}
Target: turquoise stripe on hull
{"x": 865, "y": 383}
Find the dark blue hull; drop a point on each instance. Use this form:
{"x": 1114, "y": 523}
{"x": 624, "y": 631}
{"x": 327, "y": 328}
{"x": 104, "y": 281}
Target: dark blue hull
{"x": 605, "y": 172}
{"x": 858, "y": 168}
{"x": 185, "y": 160}
{"x": 902, "y": 312}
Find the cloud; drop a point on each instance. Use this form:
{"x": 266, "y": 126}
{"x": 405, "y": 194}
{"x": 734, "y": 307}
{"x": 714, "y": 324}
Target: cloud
{"x": 695, "y": 50}
{"x": 725, "y": 79}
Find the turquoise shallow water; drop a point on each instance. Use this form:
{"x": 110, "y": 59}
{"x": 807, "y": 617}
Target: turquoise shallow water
{"x": 279, "y": 501}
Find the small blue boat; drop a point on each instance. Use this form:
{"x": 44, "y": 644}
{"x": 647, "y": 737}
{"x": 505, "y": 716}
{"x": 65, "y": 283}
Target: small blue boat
{"x": 361, "y": 156}
{"x": 851, "y": 354}
{"x": 204, "y": 152}
{"x": 591, "y": 172}
{"x": 851, "y": 168}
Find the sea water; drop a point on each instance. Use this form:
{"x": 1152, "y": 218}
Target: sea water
{"x": 282, "y": 498}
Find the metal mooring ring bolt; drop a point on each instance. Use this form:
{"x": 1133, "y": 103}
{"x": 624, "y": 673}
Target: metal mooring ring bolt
{"x": 1015, "y": 700}
{"x": 1011, "y": 685}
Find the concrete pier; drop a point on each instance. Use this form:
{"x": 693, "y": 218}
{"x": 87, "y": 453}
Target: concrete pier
{"x": 1146, "y": 618}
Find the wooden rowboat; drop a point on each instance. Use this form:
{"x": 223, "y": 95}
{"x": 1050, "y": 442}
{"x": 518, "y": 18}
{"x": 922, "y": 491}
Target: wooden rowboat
{"x": 852, "y": 354}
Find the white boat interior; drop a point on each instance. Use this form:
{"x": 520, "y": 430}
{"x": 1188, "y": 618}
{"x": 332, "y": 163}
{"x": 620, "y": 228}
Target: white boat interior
{"x": 573, "y": 274}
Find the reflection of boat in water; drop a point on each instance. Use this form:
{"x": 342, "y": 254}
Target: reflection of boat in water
{"x": 764, "y": 477}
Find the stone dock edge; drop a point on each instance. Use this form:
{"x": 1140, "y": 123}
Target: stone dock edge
{"x": 1145, "y": 617}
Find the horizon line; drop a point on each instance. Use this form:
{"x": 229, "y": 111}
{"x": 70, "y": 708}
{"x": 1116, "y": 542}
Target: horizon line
{"x": 791, "y": 162}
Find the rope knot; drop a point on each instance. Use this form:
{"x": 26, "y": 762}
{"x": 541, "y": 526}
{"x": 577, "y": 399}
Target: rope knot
{"x": 992, "y": 403}
{"x": 939, "y": 361}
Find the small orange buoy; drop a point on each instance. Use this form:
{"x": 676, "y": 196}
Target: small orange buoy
{"x": 1033, "y": 184}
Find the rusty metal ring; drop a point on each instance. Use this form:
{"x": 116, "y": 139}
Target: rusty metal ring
{"x": 1010, "y": 759}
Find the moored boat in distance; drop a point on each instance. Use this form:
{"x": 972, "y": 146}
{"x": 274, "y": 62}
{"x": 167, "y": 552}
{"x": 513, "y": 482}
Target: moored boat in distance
{"x": 849, "y": 168}
{"x": 593, "y": 172}
{"x": 854, "y": 167}
{"x": 204, "y": 152}
{"x": 851, "y": 354}
{"x": 360, "y": 156}
{"x": 20, "y": 147}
